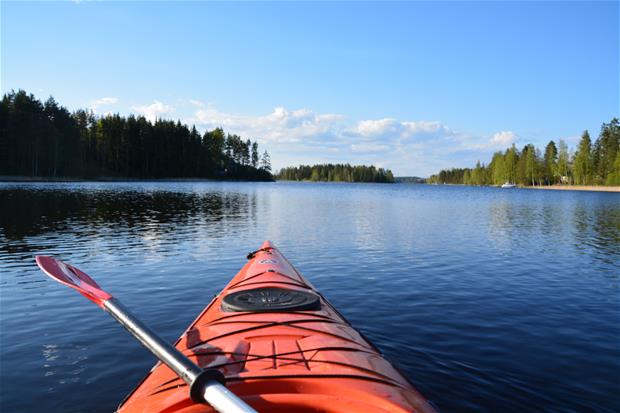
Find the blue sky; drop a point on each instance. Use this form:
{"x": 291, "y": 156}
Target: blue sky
{"x": 412, "y": 86}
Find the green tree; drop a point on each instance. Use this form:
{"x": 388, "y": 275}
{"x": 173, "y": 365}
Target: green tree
{"x": 521, "y": 167}
{"x": 255, "y": 158}
{"x": 563, "y": 165}
{"x": 466, "y": 180}
{"x": 47, "y": 140}
{"x": 530, "y": 165}
{"x": 245, "y": 155}
{"x": 529, "y": 169}
{"x": 336, "y": 173}
{"x": 605, "y": 150}
{"x": 499, "y": 170}
{"x": 590, "y": 164}
{"x": 315, "y": 176}
{"x": 478, "y": 175}
{"x": 511, "y": 160}
{"x": 265, "y": 162}
{"x": 551, "y": 163}
{"x": 4, "y": 137}
{"x": 582, "y": 163}
{"x": 613, "y": 178}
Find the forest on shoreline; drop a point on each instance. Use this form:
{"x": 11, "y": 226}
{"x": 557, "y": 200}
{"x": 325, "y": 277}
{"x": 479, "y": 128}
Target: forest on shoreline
{"x": 45, "y": 140}
{"x": 336, "y": 173}
{"x": 589, "y": 164}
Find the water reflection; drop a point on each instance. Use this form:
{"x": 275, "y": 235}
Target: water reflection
{"x": 586, "y": 226}
{"x": 147, "y": 216}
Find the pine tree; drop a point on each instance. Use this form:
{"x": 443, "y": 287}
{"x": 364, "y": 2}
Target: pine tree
{"x": 530, "y": 165}
{"x": 605, "y": 149}
{"x": 551, "y": 160}
{"x": 265, "y": 162}
{"x": 255, "y": 158}
{"x": 47, "y": 140}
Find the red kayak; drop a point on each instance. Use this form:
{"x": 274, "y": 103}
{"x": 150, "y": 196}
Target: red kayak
{"x": 282, "y": 347}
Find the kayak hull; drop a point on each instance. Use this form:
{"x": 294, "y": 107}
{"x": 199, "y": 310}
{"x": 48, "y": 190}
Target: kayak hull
{"x": 282, "y": 347}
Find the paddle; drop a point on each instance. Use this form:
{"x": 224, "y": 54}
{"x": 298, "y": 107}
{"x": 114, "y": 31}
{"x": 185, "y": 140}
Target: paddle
{"x": 205, "y": 385}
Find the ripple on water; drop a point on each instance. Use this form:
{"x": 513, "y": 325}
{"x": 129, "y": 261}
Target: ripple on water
{"x": 488, "y": 300}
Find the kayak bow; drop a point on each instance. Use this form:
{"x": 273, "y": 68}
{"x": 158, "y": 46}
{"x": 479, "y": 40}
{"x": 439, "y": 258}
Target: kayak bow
{"x": 282, "y": 347}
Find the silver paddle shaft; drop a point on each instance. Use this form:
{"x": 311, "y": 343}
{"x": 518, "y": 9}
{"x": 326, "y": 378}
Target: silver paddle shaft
{"x": 216, "y": 394}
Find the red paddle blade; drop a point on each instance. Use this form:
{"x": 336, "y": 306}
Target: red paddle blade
{"x": 72, "y": 277}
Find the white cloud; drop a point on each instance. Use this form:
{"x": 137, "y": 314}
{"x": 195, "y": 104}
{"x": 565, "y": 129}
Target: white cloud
{"x": 369, "y": 147}
{"x": 426, "y": 128}
{"x": 408, "y": 147}
{"x": 503, "y": 139}
{"x": 153, "y": 111}
{"x": 105, "y": 101}
{"x": 281, "y": 125}
{"x": 197, "y": 103}
{"x": 498, "y": 141}
{"x": 379, "y": 127}
{"x": 404, "y": 130}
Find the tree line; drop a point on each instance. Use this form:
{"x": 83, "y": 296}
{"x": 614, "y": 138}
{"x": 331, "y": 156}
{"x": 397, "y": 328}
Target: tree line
{"x": 44, "y": 139}
{"x": 589, "y": 164}
{"x": 336, "y": 173}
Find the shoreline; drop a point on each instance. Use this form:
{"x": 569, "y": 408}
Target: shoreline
{"x": 27, "y": 179}
{"x": 308, "y": 181}
{"x": 587, "y": 188}
{"x": 592, "y": 188}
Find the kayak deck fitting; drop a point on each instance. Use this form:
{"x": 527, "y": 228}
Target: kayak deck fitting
{"x": 282, "y": 347}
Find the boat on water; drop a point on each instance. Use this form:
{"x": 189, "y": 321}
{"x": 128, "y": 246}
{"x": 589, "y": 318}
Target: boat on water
{"x": 272, "y": 339}
{"x": 508, "y": 185}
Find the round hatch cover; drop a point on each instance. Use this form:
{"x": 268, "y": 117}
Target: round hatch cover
{"x": 271, "y": 299}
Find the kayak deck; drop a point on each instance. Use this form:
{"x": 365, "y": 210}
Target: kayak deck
{"x": 282, "y": 347}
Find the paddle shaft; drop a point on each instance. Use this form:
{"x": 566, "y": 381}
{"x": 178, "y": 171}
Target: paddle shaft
{"x": 204, "y": 385}
{"x": 214, "y": 393}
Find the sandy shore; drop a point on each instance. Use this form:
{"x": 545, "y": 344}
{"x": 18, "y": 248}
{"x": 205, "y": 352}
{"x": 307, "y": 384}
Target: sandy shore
{"x": 577, "y": 188}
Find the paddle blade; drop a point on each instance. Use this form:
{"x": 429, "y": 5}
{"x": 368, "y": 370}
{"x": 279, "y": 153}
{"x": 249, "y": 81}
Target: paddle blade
{"x": 72, "y": 277}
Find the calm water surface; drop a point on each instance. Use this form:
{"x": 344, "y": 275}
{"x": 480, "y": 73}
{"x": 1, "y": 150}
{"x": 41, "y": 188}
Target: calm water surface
{"x": 488, "y": 300}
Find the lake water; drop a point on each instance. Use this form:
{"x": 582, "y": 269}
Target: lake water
{"x": 487, "y": 299}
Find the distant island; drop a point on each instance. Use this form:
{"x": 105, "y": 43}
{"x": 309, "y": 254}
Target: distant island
{"x": 45, "y": 140}
{"x": 409, "y": 180}
{"x": 590, "y": 165}
{"x": 336, "y": 173}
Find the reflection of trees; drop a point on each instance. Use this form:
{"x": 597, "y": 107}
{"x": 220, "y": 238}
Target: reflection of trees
{"x": 510, "y": 222}
{"x": 598, "y": 227}
{"x": 582, "y": 225}
{"x": 28, "y": 212}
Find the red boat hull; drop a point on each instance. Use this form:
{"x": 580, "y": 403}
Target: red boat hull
{"x": 309, "y": 359}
